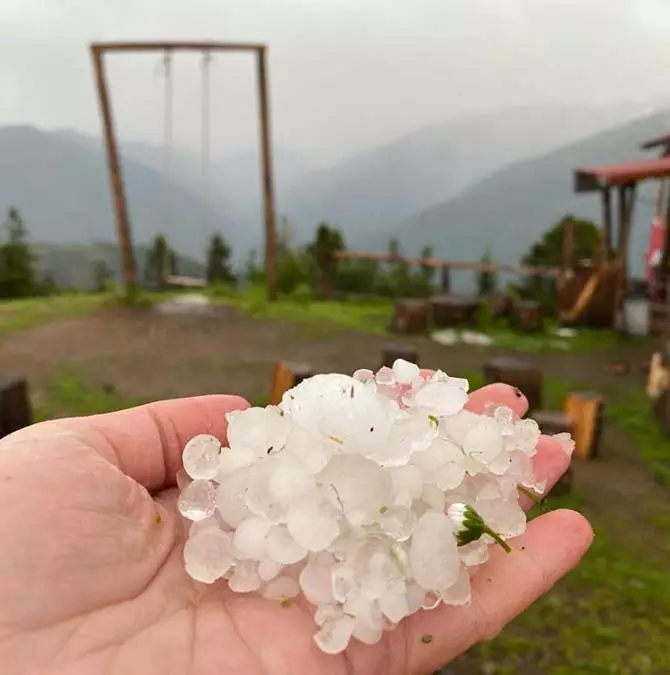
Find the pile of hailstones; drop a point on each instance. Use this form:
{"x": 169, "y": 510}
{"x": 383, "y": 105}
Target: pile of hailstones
{"x": 371, "y": 495}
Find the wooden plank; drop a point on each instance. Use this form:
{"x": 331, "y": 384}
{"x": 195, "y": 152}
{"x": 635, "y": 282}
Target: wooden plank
{"x": 154, "y": 45}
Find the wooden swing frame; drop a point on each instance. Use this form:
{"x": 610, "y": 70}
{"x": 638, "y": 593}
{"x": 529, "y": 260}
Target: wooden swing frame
{"x": 98, "y": 51}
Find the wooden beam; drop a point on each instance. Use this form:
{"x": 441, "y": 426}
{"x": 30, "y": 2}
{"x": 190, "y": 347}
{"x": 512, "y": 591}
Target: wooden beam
{"x": 266, "y": 162}
{"x": 116, "y": 180}
{"x": 151, "y": 46}
{"x": 477, "y": 266}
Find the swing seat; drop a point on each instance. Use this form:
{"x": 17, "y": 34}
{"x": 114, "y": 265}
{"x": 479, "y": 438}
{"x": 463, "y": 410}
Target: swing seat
{"x": 185, "y": 282}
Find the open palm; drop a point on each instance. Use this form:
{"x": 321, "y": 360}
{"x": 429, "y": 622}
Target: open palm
{"x": 92, "y": 577}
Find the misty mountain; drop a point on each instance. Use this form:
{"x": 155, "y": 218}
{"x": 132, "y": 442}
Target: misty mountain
{"x": 61, "y": 188}
{"x": 510, "y": 209}
{"x": 234, "y": 182}
{"x": 367, "y": 193}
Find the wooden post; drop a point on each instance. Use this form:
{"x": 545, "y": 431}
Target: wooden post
{"x": 15, "y": 412}
{"x": 585, "y": 410}
{"x": 285, "y": 377}
{"x": 607, "y": 221}
{"x": 624, "y": 235}
{"x": 445, "y": 280}
{"x": 120, "y": 211}
{"x": 266, "y": 160}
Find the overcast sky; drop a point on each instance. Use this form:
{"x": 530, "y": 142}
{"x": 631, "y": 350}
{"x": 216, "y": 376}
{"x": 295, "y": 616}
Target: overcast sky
{"x": 345, "y": 74}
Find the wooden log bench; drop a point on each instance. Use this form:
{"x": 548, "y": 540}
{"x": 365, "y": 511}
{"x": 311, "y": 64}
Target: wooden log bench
{"x": 517, "y": 372}
{"x": 527, "y": 315}
{"x": 454, "y": 310}
{"x": 15, "y": 410}
{"x": 286, "y": 376}
{"x": 499, "y": 304}
{"x": 585, "y": 410}
{"x": 411, "y": 316}
{"x": 392, "y": 351}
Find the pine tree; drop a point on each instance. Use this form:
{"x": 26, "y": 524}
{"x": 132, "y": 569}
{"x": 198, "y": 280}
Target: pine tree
{"x": 17, "y": 272}
{"x": 160, "y": 262}
{"x": 219, "y": 269}
{"x": 102, "y": 275}
{"x": 328, "y": 240}
{"x": 486, "y": 280}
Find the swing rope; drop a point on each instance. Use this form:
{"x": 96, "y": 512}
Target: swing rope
{"x": 205, "y": 142}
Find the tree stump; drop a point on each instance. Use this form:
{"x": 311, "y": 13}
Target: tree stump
{"x": 392, "y": 351}
{"x": 527, "y": 315}
{"x": 411, "y": 316}
{"x": 454, "y": 310}
{"x": 499, "y": 304}
{"x": 15, "y": 411}
{"x": 553, "y": 422}
{"x": 519, "y": 373}
{"x": 585, "y": 409}
{"x": 286, "y": 376}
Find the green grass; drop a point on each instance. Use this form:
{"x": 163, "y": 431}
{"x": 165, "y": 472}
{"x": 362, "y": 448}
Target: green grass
{"x": 24, "y": 313}
{"x": 66, "y": 394}
{"x": 372, "y": 316}
{"x": 610, "y": 616}
{"x": 634, "y": 414}
{"x": 319, "y": 317}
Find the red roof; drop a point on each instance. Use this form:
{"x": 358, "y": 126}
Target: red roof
{"x": 595, "y": 178}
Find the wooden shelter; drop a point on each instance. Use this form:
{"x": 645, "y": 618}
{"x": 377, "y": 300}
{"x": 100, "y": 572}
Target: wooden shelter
{"x": 599, "y": 289}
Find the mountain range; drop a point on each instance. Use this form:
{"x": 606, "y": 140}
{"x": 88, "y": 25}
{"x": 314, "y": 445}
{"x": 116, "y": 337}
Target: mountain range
{"x": 497, "y": 179}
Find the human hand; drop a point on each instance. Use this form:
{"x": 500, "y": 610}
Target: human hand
{"x": 92, "y": 578}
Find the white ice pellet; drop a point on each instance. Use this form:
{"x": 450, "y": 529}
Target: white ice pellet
{"x": 201, "y": 456}
{"x": 208, "y": 555}
{"x": 198, "y": 500}
{"x": 341, "y": 494}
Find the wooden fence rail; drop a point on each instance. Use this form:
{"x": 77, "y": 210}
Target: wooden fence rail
{"x": 477, "y": 266}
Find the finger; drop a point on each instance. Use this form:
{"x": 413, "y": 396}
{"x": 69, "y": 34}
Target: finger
{"x": 508, "y": 584}
{"x": 146, "y": 442}
{"x": 550, "y": 463}
{"x": 499, "y": 394}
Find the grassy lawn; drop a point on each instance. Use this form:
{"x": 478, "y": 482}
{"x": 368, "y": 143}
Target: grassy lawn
{"x": 19, "y": 314}
{"x": 319, "y": 317}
